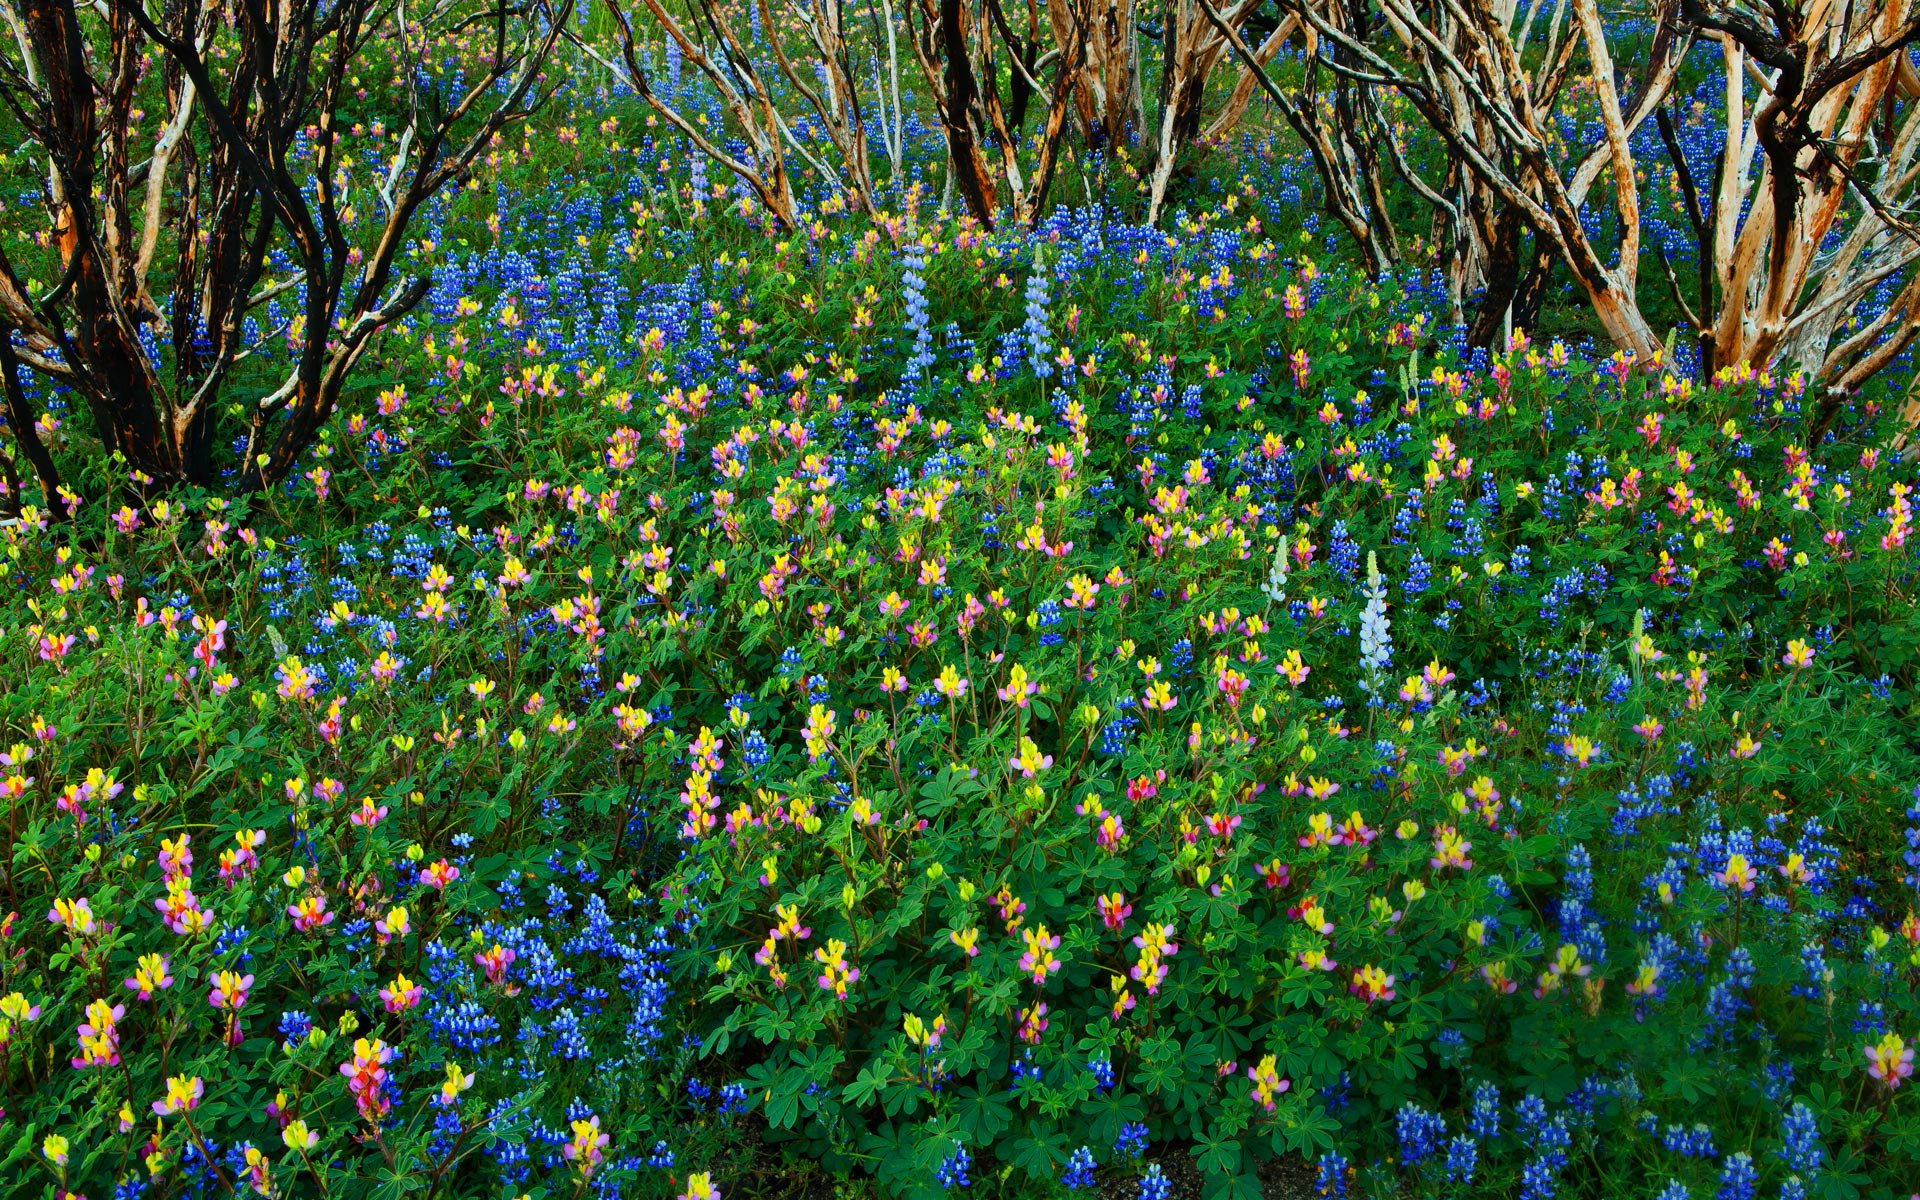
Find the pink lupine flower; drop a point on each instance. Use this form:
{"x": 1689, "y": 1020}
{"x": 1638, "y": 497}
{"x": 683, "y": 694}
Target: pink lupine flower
{"x": 1370, "y": 983}
{"x": 99, "y": 1036}
{"x": 241, "y": 861}
{"x": 184, "y": 1094}
{"x": 401, "y": 995}
{"x": 439, "y": 875}
{"x": 149, "y": 976}
{"x": 1039, "y": 960}
{"x": 495, "y": 960}
{"x": 310, "y": 913}
{"x": 1890, "y": 1061}
{"x": 74, "y": 916}
{"x": 366, "y": 1076}
{"x": 587, "y": 1149}
{"x": 1019, "y": 690}
{"x": 176, "y": 857}
{"x": 229, "y": 991}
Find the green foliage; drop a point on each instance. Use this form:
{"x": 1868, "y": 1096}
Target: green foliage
{"x": 655, "y": 626}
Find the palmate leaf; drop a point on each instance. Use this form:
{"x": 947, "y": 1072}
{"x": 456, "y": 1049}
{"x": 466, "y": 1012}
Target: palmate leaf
{"x": 1240, "y": 1185}
{"x": 1199, "y": 1074}
{"x": 777, "y": 1091}
{"x": 948, "y": 788}
{"x": 1302, "y": 1126}
{"x": 982, "y": 1112}
{"x": 865, "y": 1087}
{"x": 1845, "y": 1175}
{"x": 772, "y": 1026}
{"x": 485, "y": 810}
{"x": 237, "y": 748}
{"x": 1110, "y": 1111}
{"x": 1040, "y": 1154}
{"x": 907, "y": 1155}
{"x": 1160, "y": 1064}
{"x": 903, "y": 1097}
{"x": 1903, "y": 1137}
{"x": 1218, "y": 1155}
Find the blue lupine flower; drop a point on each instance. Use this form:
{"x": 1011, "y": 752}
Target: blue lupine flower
{"x": 1538, "y": 1180}
{"x": 1154, "y": 1184}
{"x": 1463, "y": 1155}
{"x": 1738, "y": 1179}
{"x": 1800, "y": 1146}
{"x": 1039, "y": 341}
{"x": 919, "y": 323}
{"x": 1331, "y": 1181}
{"x": 1483, "y": 1118}
{"x": 1079, "y": 1172}
{"x": 1102, "y": 1071}
{"x": 953, "y": 1172}
{"x": 1420, "y": 1133}
{"x": 1694, "y": 1142}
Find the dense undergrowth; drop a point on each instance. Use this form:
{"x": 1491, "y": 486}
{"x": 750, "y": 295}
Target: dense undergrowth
{"x": 968, "y": 710}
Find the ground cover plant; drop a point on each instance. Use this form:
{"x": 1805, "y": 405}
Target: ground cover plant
{"x": 780, "y": 678}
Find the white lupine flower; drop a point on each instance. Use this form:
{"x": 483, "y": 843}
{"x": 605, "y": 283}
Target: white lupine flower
{"x": 1376, "y": 642}
{"x": 1275, "y": 588}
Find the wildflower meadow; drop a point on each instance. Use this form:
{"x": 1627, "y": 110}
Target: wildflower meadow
{"x": 891, "y": 600}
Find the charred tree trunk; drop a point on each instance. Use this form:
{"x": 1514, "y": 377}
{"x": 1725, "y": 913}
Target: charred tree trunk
{"x": 957, "y": 96}
{"x": 1530, "y": 300}
{"x": 1503, "y": 268}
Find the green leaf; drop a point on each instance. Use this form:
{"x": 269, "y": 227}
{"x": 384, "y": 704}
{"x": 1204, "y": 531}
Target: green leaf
{"x": 1218, "y": 1157}
{"x": 867, "y": 1084}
